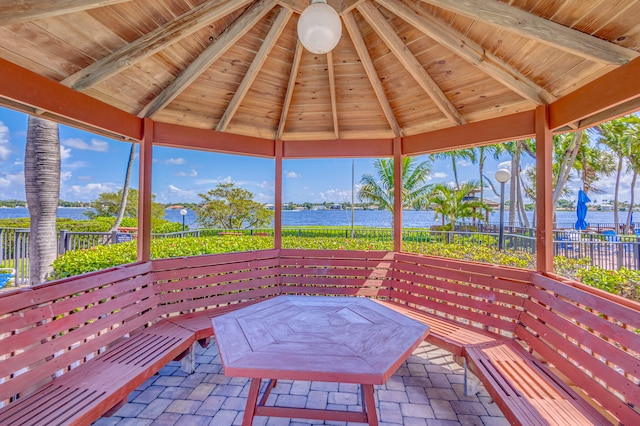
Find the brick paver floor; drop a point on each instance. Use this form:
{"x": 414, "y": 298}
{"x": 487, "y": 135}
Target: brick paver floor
{"x": 426, "y": 391}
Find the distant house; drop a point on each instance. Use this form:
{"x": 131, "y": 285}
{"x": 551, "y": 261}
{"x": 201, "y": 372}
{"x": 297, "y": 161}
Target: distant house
{"x": 335, "y": 207}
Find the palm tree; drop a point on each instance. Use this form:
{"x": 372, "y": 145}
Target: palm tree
{"x": 125, "y": 190}
{"x": 42, "y": 189}
{"x": 451, "y": 205}
{"x": 617, "y": 135}
{"x": 480, "y": 156}
{"x": 516, "y": 204}
{"x": 379, "y": 190}
{"x": 454, "y": 156}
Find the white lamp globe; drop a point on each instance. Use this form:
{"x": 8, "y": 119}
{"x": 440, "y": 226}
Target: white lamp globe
{"x": 503, "y": 175}
{"x": 319, "y": 27}
{"x": 183, "y": 212}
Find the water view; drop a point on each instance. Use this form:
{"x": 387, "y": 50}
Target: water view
{"x": 366, "y": 218}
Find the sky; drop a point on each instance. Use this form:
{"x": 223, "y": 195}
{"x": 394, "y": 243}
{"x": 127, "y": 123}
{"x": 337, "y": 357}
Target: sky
{"x": 93, "y": 164}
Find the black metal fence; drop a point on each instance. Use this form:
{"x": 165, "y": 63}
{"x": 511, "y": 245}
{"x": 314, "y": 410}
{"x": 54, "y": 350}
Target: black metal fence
{"x": 606, "y": 251}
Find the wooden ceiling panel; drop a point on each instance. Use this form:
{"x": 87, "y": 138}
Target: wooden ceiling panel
{"x": 395, "y": 80}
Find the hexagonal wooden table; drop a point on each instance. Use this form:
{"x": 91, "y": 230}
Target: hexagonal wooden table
{"x": 329, "y": 339}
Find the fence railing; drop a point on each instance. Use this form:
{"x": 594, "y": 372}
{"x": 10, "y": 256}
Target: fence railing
{"x": 605, "y": 251}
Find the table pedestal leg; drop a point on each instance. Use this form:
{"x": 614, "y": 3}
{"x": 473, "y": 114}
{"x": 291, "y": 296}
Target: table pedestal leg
{"x": 370, "y": 404}
{"x": 252, "y": 399}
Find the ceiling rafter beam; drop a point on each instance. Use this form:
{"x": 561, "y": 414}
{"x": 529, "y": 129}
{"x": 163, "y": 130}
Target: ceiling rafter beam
{"x": 332, "y": 92}
{"x": 212, "y": 53}
{"x": 341, "y": 6}
{"x": 152, "y": 42}
{"x": 470, "y": 51}
{"x": 387, "y": 33}
{"x": 367, "y": 63}
{"x": 295, "y": 66}
{"x": 534, "y": 27}
{"x": 12, "y": 12}
{"x": 258, "y": 61}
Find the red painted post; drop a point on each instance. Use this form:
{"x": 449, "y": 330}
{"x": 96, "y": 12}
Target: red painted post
{"x": 144, "y": 191}
{"x": 397, "y": 194}
{"x": 544, "y": 191}
{"x": 277, "y": 220}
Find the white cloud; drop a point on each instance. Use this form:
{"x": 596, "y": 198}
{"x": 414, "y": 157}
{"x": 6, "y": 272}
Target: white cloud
{"x": 65, "y": 153}
{"x": 264, "y": 198}
{"x": 335, "y": 195}
{"x": 292, "y": 175}
{"x": 76, "y": 165}
{"x": 175, "y": 194}
{"x": 93, "y": 145}
{"x": 12, "y": 186}
{"x": 87, "y": 192}
{"x": 175, "y": 161}
{"x": 65, "y": 176}
{"x": 5, "y": 149}
{"x": 215, "y": 181}
{"x": 192, "y": 173}
{"x": 439, "y": 175}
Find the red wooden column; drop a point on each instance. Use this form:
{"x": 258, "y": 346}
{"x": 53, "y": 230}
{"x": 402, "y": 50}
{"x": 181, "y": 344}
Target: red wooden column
{"x": 144, "y": 191}
{"x": 544, "y": 191}
{"x": 277, "y": 220}
{"x": 397, "y": 194}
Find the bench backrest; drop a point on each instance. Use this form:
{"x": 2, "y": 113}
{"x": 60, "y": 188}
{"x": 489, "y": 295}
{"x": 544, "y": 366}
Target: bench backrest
{"x": 335, "y": 273}
{"x": 51, "y": 328}
{"x": 210, "y": 282}
{"x": 589, "y": 336}
{"x": 480, "y": 295}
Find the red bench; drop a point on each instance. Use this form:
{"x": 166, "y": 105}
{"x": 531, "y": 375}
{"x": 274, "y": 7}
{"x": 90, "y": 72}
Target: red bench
{"x": 543, "y": 346}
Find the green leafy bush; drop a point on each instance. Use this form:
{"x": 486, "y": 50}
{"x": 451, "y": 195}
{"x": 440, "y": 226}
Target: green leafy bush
{"x": 98, "y": 224}
{"x": 624, "y": 282}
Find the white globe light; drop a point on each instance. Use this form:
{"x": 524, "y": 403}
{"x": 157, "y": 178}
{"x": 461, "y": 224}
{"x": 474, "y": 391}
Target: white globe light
{"x": 319, "y": 28}
{"x": 183, "y": 212}
{"x": 503, "y": 175}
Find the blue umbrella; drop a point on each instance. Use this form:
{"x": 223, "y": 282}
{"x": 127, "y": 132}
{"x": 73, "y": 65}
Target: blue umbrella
{"x": 581, "y": 210}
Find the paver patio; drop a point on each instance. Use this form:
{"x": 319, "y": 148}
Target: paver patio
{"x": 426, "y": 390}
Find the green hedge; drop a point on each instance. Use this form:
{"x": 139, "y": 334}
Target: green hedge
{"x": 624, "y": 282}
{"x": 99, "y": 224}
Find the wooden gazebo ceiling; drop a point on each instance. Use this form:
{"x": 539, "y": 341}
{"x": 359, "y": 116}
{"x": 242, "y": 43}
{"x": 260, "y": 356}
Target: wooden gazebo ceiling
{"x": 402, "y": 67}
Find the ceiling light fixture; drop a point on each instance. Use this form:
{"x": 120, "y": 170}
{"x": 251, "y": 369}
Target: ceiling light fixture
{"x": 319, "y": 27}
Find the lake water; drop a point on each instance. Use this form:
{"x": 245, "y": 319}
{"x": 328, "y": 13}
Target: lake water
{"x": 367, "y": 218}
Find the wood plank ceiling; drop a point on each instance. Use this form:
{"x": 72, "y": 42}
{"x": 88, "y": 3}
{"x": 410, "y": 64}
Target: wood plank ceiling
{"x": 402, "y": 67}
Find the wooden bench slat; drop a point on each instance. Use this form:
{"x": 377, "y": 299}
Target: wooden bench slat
{"x": 524, "y": 379}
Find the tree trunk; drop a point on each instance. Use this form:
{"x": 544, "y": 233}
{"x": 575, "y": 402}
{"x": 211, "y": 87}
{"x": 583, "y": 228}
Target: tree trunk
{"x": 521, "y": 209}
{"x": 455, "y": 170}
{"x": 125, "y": 190}
{"x": 513, "y": 185}
{"x": 42, "y": 188}
{"x": 631, "y": 201}
{"x": 566, "y": 167}
{"x": 616, "y": 217}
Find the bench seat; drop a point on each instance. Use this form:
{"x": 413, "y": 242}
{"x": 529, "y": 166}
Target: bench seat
{"x": 525, "y": 390}
{"x": 86, "y": 392}
{"x": 447, "y": 334}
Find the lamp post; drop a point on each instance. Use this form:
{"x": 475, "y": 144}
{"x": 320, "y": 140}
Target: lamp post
{"x": 183, "y": 213}
{"x": 503, "y": 174}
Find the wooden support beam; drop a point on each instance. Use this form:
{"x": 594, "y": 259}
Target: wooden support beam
{"x": 277, "y": 220}
{"x": 507, "y": 128}
{"x": 152, "y": 42}
{"x": 470, "y": 51}
{"x": 534, "y": 27}
{"x": 618, "y": 87}
{"x": 258, "y": 61}
{"x": 397, "y": 194}
{"x": 348, "y": 148}
{"x": 340, "y": 6}
{"x": 388, "y": 34}
{"x": 12, "y": 12}
{"x": 27, "y": 91}
{"x": 211, "y": 54}
{"x": 544, "y": 191}
{"x": 175, "y": 136}
{"x": 358, "y": 42}
{"x": 144, "y": 191}
{"x": 295, "y": 66}
{"x": 332, "y": 92}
